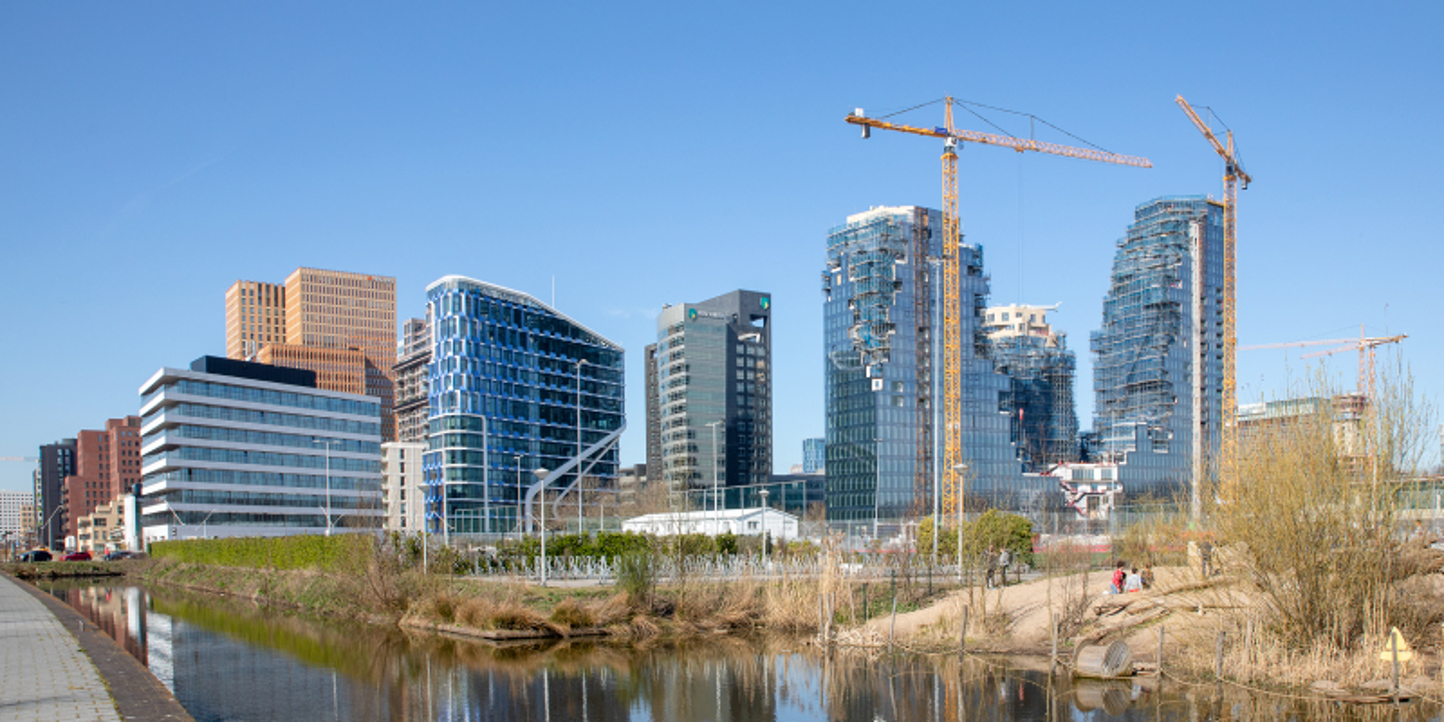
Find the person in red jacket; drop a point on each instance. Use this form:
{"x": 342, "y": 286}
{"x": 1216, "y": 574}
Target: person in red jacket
{"x": 1119, "y": 576}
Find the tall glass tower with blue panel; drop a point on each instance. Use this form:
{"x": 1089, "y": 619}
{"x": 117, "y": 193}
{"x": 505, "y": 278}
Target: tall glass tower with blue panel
{"x": 882, "y": 346}
{"x": 1158, "y": 360}
{"x": 515, "y": 386}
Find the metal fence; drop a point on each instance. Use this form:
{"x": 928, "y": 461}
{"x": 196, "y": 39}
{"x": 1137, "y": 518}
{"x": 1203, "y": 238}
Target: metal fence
{"x": 603, "y": 570}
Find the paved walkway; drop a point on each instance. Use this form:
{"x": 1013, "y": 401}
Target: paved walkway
{"x": 43, "y": 674}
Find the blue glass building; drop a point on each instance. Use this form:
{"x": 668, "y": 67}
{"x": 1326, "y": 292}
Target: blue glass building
{"x": 507, "y": 376}
{"x": 1158, "y": 360}
{"x": 875, "y": 338}
{"x": 814, "y": 455}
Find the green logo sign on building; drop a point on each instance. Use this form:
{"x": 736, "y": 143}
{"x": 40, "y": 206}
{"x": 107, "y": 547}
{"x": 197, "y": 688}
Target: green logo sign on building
{"x": 766, "y": 303}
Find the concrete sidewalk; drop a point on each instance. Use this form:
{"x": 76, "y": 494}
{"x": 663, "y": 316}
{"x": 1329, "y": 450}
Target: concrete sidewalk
{"x": 44, "y": 675}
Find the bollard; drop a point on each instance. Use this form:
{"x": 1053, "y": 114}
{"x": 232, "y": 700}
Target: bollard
{"x": 1218, "y": 658}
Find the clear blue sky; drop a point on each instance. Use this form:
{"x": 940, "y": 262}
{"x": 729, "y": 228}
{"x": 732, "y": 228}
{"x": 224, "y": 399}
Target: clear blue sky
{"x": 153, "y": 153}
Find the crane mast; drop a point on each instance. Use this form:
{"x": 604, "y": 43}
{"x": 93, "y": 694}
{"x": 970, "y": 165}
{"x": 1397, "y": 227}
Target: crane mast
{"x": 952, "y": 490}
{"x": 1233, "y": 172}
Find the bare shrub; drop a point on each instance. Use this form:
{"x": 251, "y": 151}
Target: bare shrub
{"x": 1312, "y": 522}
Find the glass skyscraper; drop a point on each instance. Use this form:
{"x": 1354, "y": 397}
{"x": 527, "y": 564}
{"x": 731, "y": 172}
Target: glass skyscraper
{"x": 506, "y": 377}
{"x": 876, "y": 335}
{"x": 713, "y": 378}
{"x": 1158, "y": 360}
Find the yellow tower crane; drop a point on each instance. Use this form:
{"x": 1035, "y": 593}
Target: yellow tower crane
{"x": 952, "y": 489}
{"x": 1233, "y": 172}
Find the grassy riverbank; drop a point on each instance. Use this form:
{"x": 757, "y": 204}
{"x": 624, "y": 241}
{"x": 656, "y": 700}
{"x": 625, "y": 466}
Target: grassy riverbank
{"x": 66, "y": 570}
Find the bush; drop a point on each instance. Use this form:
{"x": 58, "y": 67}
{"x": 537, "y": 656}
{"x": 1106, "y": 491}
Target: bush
{"x": 636, "y": 576}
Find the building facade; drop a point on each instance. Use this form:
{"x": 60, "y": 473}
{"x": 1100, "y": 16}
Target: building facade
{"x": 814, "y": 456}
{"x": 1042, "y": 418}
{"x": 1158, "y": 359}
{"x": 882, "y": 336}
{"x": 107, "y": 464}
{"x": 341, "y": 325}
{"x": 255, "y": 316}
{"x": 714, "y": 392}
{"x": 515, "y": 386}
{"x": 403, "y": 491}
{"x": 412, "y": 387}
{"x": 57, "y": 461}
{"x": 13, "y": 507}
{"x": 233, "y": 448}
{"x": 101, "y": 530}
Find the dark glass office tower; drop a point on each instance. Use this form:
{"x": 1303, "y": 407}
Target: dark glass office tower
{"x": 714, "y": 381}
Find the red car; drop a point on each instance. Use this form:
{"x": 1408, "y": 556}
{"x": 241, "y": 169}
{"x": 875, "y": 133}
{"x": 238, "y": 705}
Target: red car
{"x": 76, "y": 557}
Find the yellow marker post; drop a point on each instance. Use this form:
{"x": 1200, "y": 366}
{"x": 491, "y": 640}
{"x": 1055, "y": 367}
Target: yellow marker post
{"x": 1396, "y": 644}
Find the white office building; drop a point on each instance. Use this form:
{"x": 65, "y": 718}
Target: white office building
{"x": 11, "y": 504}
{"x": 403, "y": 492}
{"x": 234, "y": 448}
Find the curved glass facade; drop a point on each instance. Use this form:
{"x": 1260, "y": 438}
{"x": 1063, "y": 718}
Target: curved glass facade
{"x": 506, "y": 375}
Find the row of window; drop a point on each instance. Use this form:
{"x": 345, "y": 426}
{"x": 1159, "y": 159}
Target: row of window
{"x": 271, "y": 438}
{"x": 273, "y": 418}
{"x": 265, "y": 478}
{"x": 269, "y": 396}
{"x": 267, "y": 458}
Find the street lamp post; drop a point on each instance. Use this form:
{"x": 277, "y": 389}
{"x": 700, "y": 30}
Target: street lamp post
{"x": 541, "y": 475}
{"x": 517, "y": 458}
{"x": 204, "y": 534}
{"x": 485, "y": 471}
{"x": 716, "y": 476}
{"x": 580, "y": 361}
{"x": 327, "y": 443}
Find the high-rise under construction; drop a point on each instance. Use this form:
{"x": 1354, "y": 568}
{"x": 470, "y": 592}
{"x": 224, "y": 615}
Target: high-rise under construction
{"x": 1158, "y": 359}
{"x": 882, "y": 286}
{"x": 1039, "y": 399}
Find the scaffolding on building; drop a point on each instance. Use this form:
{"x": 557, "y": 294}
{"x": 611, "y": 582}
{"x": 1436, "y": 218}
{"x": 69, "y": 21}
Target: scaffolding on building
{"x": 1039, "y": 399}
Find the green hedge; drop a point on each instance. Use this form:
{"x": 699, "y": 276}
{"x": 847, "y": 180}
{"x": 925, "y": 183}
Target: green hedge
{"x": 308, "y": 551}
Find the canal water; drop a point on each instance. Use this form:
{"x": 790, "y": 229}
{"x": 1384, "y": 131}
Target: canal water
{"x": 231, "y": 660}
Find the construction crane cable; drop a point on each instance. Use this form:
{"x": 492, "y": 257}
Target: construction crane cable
{"x": 909, "y": 110}
{"x": 1030, "y": 116}
{"x": 989, "y": 122}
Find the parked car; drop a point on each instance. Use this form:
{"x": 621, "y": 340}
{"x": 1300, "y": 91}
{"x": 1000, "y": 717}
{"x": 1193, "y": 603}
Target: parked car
{"x": 38, "y": 555}
{"x": 120, "y": 554}
{"x": 81, "y": 556}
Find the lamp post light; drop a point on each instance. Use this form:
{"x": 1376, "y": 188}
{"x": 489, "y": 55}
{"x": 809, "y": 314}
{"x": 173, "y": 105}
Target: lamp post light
{"x": 204, "y": 535}
{"x": 327, "y": 443}
{"x": 716, "y": 469}
{"x": 579, "y": 361}
{"x": 541, "y": 475}
{"x": 485, "y": 471}
{"x": 517, "y": 458}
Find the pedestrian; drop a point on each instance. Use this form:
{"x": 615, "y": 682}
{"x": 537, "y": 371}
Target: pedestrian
{"x": 1005, "y": 560}
{"x": 1133, "y": 582}
{"x": 1148, "y": 575}
{"x": 1118, "y": 578}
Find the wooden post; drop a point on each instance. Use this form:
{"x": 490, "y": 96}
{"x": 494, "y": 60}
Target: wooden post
{"x": 1248, "y": 643}
{"x": 963, "y": 633}
{"x": 1159, "y": 661}
{"x": 1053, "y": 656}
{"x": 1394, "y": 653}
{"x": 866, "y": 615}
{"x": 892, "y": 626}
{"x": 1218, "y": 657}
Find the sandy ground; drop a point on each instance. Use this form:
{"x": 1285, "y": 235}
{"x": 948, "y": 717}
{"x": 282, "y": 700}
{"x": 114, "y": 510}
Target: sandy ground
{"x": 1020, "y": 613}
